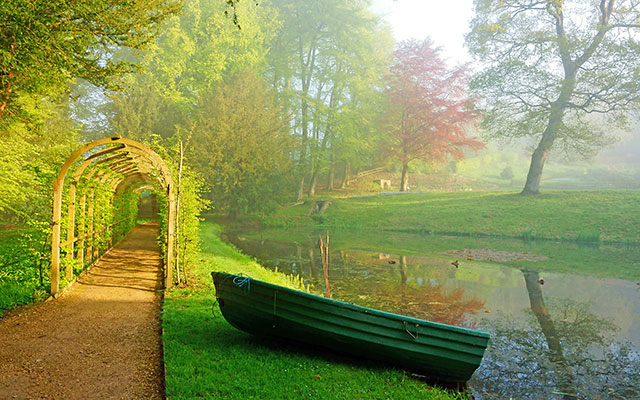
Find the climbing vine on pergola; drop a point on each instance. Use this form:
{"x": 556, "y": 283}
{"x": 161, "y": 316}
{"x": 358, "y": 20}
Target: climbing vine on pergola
{"x": 106, "y": 176}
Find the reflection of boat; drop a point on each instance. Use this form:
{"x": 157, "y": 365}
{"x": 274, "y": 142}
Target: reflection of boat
{"x": 442, "y": 352}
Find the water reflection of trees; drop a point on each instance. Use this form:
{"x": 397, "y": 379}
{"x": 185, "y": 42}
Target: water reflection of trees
{"x": 561, "y": 351}
{"x": 430, "y": 301}
{"x": 368, "y": 279}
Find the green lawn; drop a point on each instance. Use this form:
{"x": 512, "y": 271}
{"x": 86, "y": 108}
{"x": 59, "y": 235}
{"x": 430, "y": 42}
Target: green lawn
{"x": 207, "y": 358}
{"x": 585, "y": 216}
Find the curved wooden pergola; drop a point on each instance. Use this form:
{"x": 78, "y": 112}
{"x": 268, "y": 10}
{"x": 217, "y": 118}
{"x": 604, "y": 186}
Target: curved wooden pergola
{"x": 118, "y": 163}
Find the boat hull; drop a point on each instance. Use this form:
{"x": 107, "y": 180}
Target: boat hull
{"x": 441, "y": 352}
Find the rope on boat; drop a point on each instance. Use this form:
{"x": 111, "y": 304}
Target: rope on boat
{"x": 239, "y": 280}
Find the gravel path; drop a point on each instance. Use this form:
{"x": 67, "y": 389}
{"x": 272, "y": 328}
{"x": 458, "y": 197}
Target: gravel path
{"x": 100, "y": 340}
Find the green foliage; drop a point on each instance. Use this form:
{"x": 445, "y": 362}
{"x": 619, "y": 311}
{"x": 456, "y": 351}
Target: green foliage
{"x": 183, "y": 69}
{"x": 188, "y": 191}
{"x": 196, "y": 49}
{"x": 589, "y": 237}
{"x": 30, "y": 157}
{"x": 32, "y": 152}
{"x": 125, "y": 209}
{"x": 550, "y": 79}
{"x": 524, "y": 72}
{"x": 202, "y": 351}
{"x": 327, "y": 63}
{"x": 24, "y": 255}
{"x": 241, "y": 147}
{"x": 43, "y": 45}
{"x": 192, "y": 53}
{"x": 507, "y": 173}
{"x": 39, "y": 57}
{"x": 14, "y": 294}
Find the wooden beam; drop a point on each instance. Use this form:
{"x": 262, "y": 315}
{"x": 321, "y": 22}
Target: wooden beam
{"x": 90, "y": 226}
{"x": 55, "y": 236}
{"x": 83, "y": 231}
{"x": 116, "y": 145}
{"x": 71, "y": 226}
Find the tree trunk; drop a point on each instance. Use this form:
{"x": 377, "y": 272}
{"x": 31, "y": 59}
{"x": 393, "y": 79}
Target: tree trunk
{"x": 347, "y": 171}
{"x": 565, "y": 377}
{"x": 332, "y": 173}
{"x": 312, "y": 182}
{"x": 404, "y": 181}
{"x": 316, "y": 161}
{"x": 539, "y": 309}
{"x": 556, "y": 115}
{"x": 312, "y": 263}
{"x": 538, "y": 158}
{"x": 300, "y": 190}
{"x": 403, "y": 271}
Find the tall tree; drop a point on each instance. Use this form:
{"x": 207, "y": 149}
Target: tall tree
{"x": 429, "y": 113}
{"x": 44, "y": 44}
{"x": 192, "y": 54}
{"x": 241, "y": 146}
{"x": 560, "y": 71}
{"x": 321, "y": 51}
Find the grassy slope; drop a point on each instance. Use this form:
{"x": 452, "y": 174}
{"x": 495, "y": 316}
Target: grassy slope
{"x": 572, "y": 215}
{"x": 205, "y": 357}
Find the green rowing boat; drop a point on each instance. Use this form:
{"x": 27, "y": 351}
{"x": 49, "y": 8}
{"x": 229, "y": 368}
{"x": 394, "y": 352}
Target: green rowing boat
{"x": 441, "y": 352}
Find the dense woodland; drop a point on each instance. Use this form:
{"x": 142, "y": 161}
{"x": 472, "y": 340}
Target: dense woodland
{"x": 277, "y": 99}
{"x": 290, "y": 97}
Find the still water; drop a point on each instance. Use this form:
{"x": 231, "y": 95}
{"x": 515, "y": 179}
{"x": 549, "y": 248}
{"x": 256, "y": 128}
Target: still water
{"x": 555, "y": 334}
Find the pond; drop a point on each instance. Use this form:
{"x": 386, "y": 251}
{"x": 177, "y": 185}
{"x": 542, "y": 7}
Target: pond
{"x": 563, "y": 326}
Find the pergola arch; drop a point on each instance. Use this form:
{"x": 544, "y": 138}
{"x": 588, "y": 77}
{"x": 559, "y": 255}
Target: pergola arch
{"x": 120, "y": 161}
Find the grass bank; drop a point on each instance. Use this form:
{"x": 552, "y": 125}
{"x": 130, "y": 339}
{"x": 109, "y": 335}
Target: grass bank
{"x": 582, "y": 216}
{"x": 207, "y": 358}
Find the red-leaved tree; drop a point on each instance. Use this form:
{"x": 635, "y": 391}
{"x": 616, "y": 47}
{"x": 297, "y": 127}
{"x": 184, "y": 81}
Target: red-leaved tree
{"x": 429, "y": 114}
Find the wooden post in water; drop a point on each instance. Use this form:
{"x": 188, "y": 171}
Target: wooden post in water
{"x": 324, "y": 255}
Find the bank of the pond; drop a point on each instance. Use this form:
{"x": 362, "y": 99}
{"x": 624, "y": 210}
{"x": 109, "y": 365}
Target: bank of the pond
{"x": 582, "y": 216}
{"x": 206, "y": 357}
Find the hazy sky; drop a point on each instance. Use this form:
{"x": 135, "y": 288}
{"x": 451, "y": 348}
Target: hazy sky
{"x": 445, "y": 22}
